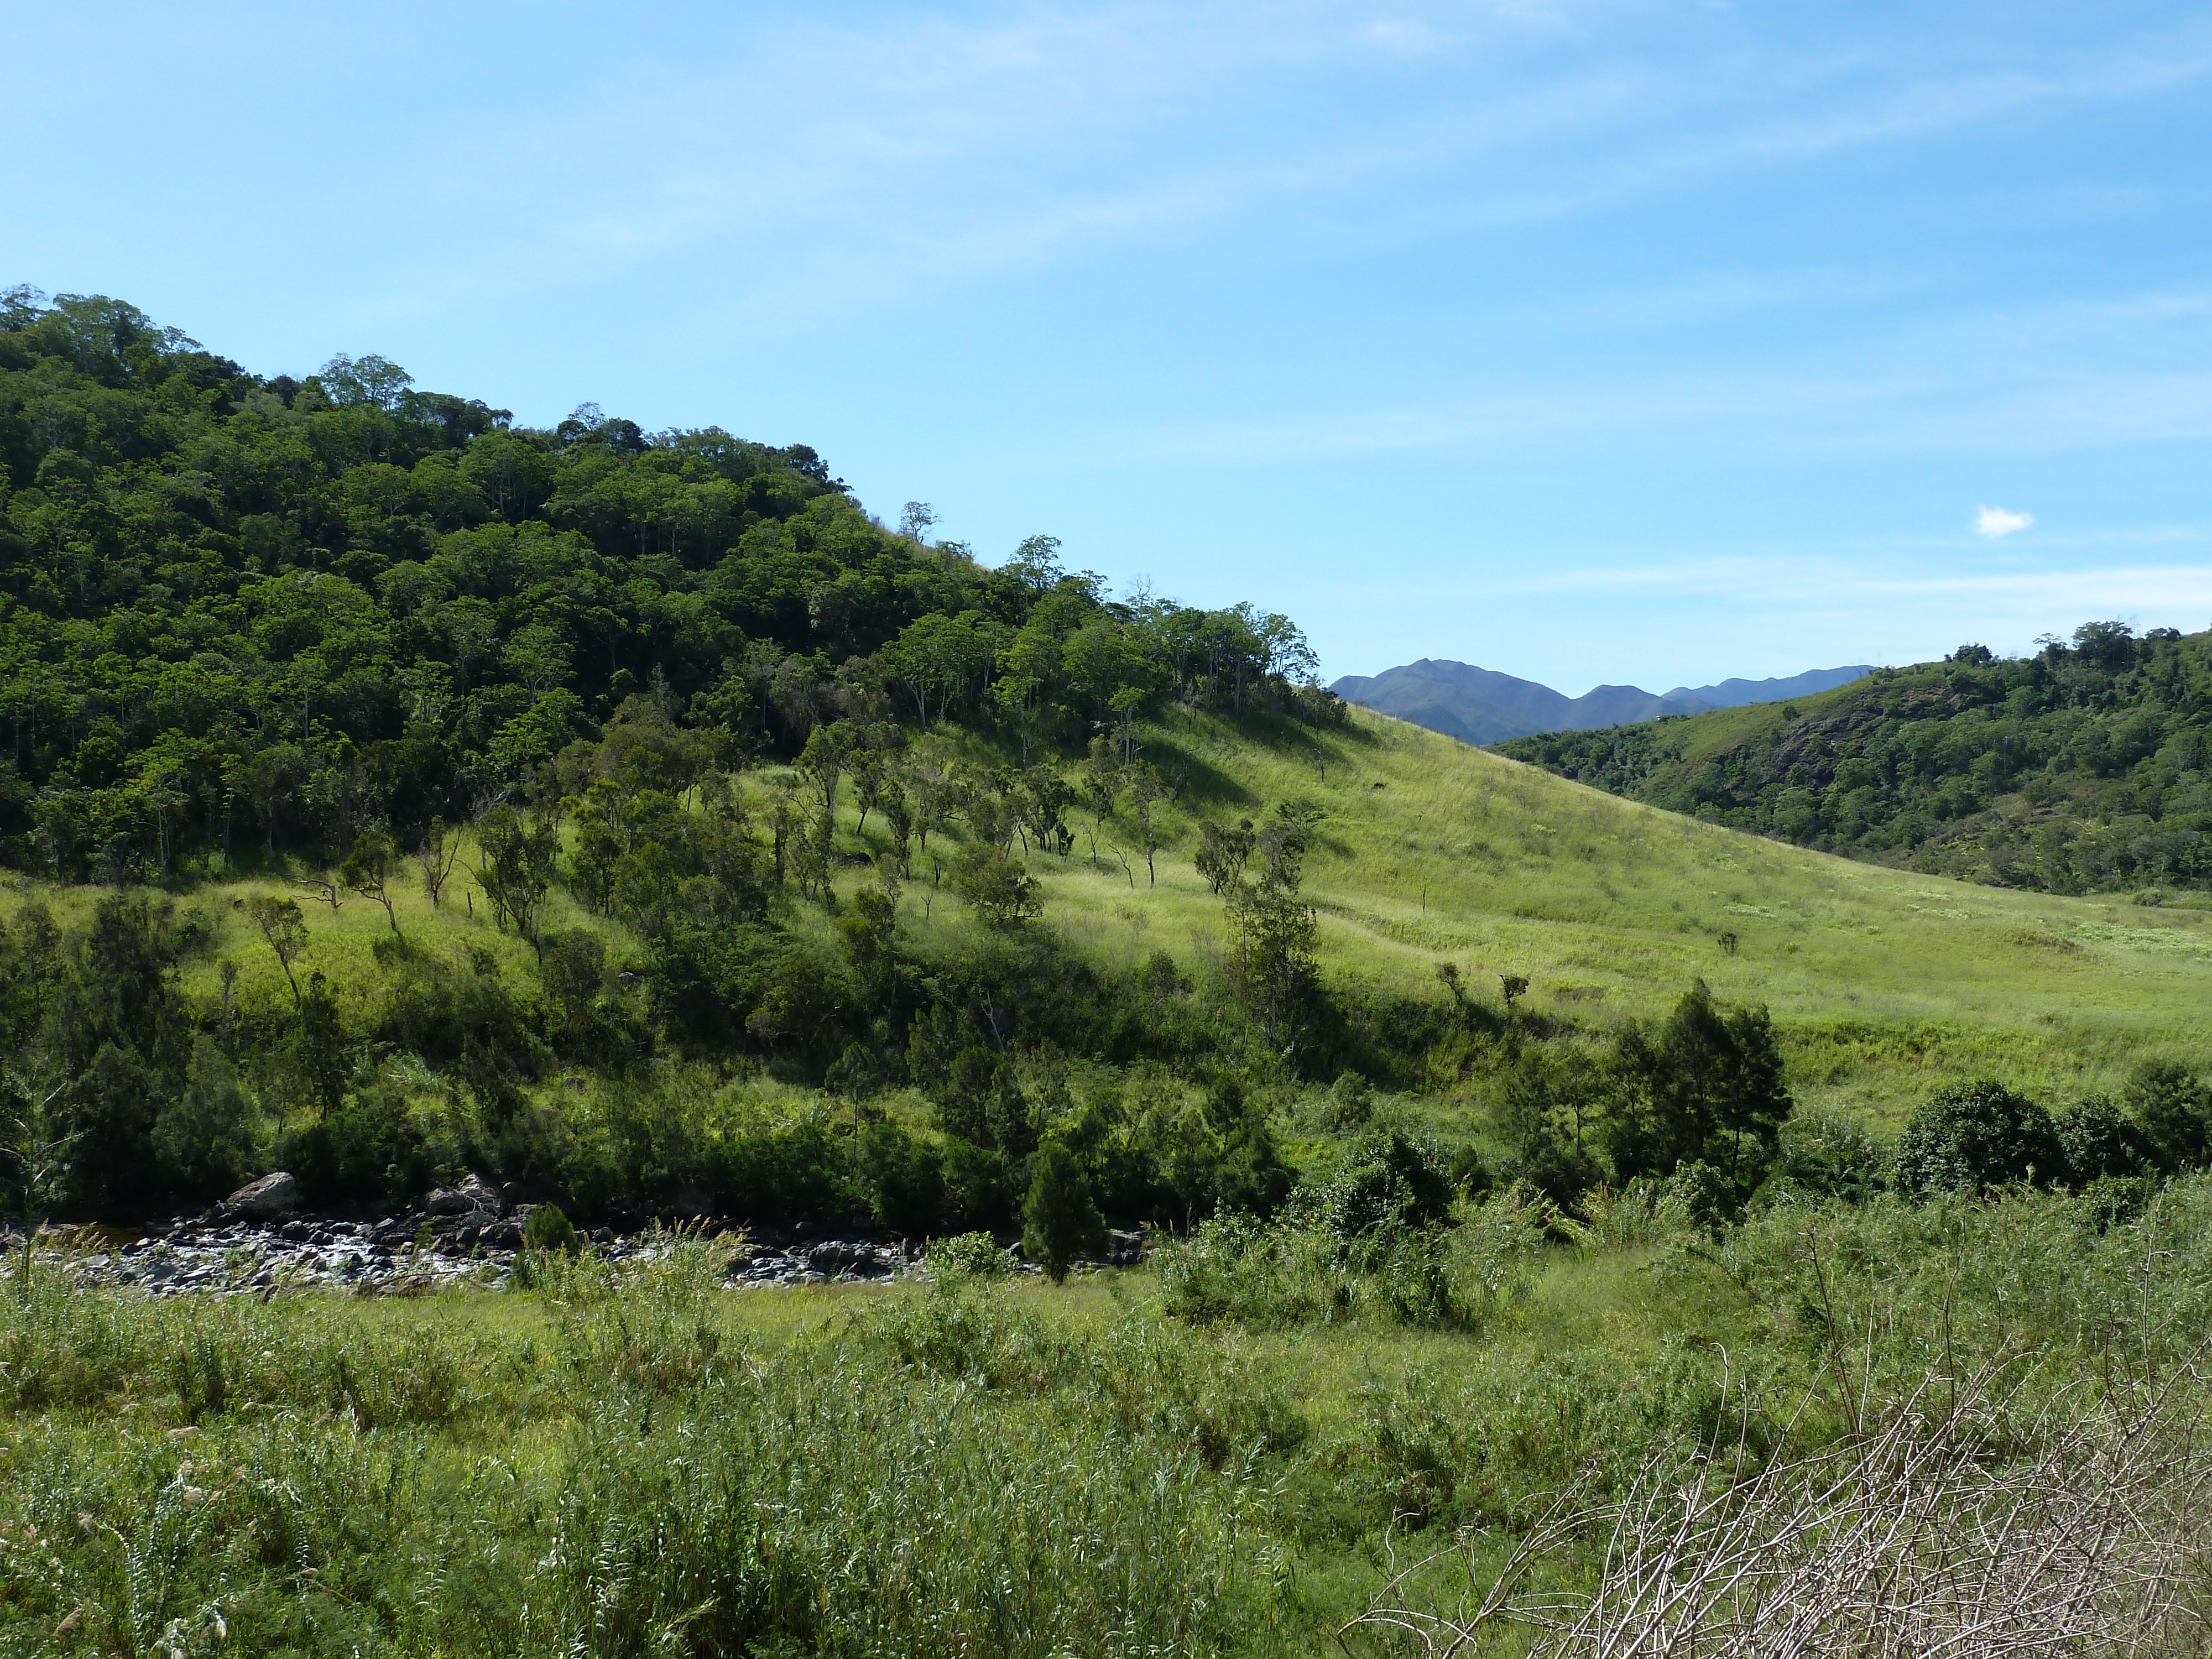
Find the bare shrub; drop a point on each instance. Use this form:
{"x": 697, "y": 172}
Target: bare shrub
{"x": 1948, "y": 1531}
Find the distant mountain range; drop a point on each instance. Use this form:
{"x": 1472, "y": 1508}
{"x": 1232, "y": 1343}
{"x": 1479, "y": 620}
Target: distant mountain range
{"x": 1478, "y": 706}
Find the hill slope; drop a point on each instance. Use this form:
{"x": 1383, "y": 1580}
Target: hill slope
{"x": 2086, "y": 767}
{"x": 393, "y": 793}
{"x": 1481, "y": 706}
{"x": 1884, "y": 981}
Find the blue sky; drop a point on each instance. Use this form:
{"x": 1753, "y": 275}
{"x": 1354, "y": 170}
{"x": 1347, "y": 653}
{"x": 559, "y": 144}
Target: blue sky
{"x": 1646, "y": 342}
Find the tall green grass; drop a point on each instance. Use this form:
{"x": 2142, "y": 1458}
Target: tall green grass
{"x": 644, "y": 1462}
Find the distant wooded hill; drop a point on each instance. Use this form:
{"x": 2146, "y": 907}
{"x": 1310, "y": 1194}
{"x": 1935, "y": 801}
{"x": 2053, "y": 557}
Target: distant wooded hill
{"x": 2082, "y": 768}
{"x": 1478, "y": 706}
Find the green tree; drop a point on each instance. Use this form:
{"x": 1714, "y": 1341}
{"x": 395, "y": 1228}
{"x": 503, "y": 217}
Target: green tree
{"x": 1976, "y": 1135}
{"x": 204, "y": 1139}
{"x": 284, "y": 929}
{"x": 1707, "y": 1084}
{"x": 1004, "y": 893}
{"x": 1060, "y": 1222}
{"x": 368, "y": 870}
{"x": 868, "y": 932}
{"x": 515, "y": 868}
{"x": 1223, "y": 853}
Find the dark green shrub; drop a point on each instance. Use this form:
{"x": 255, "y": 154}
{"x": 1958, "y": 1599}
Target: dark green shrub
{"x": 1393, "y": 1179}
{"x": 369, "y": 1151}
{"x": 1059, "y": 1222}
{"x": 2102, "y": 1143}
{"x": 1706, "y": 1195}
{"x": 976, "y": 1186}
{"x": 547, "y": 1231}
{"x": 1975, "y": 1135}
{"x": 2175, "y": 1111}
{"x": 202, "y": 1137}
{"x": 904, "y": 1179}
{"x": 800, "y": 1173}
{"x": 1833, "y": 1155}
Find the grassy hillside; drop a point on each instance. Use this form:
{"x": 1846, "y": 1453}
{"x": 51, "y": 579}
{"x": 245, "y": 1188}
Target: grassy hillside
{"x": 1884, "y": 984}
{"x": 1887, "y": 981}
{"x": 2083, "y": 769}
{"x": 801, "y": 867}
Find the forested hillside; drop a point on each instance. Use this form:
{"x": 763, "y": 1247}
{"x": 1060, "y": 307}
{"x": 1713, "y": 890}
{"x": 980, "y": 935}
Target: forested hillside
{"x": 393, "y": 794}
{"x": 2085, "y": 768}
{"x": 336, "y": 640}
{"x": 239, "y": 609}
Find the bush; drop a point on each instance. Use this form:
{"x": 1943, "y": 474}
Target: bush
{"x": 1236, "y": 1269}
{"x": 368, "y": 1150}
{"x": 202, "y": 1139}
{"x": 1060, "y": 1222}
{"x": 966, "y": 1255}
{"x": 1978, "y": 1135}
{"x": 1393, "y": 1179}
{"x": 904, "y": 1178}
{"x": 1832, "y": 1155}
{"x": 549, "y": 1232}
{"x": 1350, "y": 1104}
{"x": 2175, "y": 1111}
{"x": 2101, "y": 1142}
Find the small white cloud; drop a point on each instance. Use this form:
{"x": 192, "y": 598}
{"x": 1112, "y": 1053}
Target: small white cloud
{"x": 1995, "y": 521}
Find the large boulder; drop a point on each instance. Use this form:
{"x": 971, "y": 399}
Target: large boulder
{"x": 473, "y": 1196}
{"x": 482, "y": 1195}
{"x": 275, "y": 1194}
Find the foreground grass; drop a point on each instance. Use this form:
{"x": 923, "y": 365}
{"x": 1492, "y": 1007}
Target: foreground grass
{"x": 661, "y": 1465}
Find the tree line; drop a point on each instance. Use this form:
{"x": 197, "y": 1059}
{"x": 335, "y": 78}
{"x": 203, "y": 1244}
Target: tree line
{"x": 2081, "y": 768}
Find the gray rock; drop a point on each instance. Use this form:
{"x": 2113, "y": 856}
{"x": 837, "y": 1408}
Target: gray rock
{"x": 481, "y": 1195}
{"x": 836, "y": 1256}
{"x": 275, "y": 1194}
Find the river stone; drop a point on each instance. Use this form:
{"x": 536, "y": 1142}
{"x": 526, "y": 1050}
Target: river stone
{"x": 274, "y": 1195}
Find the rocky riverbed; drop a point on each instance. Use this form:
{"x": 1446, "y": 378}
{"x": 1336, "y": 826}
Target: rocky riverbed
{"x": 253, "y": 1244}
{"x": 204, "y": 1256}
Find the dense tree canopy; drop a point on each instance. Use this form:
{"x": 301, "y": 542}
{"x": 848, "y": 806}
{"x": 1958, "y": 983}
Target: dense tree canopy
{"x": 237, "y": 610}
{"x": 2087, "y": 766}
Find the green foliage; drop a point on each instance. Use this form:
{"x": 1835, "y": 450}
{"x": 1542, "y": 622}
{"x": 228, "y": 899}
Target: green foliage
{"x": 1978, "y": 1135}
{"x": 1004, "y": 893}
{"x": 967, "y": 1256}
{"x": 2174, "y": 1111}
{"x": 2079, "y": 769}
{"x": 1706, "y": 1086}
{"x": 1304, "y": 1268}
{"x": 1833, "y": 1155}
{"x": 548, "y": 1231}
{"x": 1059, "y": 1222}
{"x": 638, "y": 1460}
{"x": 1389, "y": 1180}
{"x": 205, "y": 1140}
{"x": 377, "y": 605}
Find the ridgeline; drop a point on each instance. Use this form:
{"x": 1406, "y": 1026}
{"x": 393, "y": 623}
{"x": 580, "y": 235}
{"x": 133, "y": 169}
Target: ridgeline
{"x": 2086, "y": 767}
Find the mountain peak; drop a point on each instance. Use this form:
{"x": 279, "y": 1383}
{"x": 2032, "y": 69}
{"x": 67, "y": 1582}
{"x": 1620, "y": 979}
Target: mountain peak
{"x": 1482, "y": 705}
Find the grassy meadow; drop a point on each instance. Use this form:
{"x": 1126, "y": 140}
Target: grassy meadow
{"x": 989, "y": 1467}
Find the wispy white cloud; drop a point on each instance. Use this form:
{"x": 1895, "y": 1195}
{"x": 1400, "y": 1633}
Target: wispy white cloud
{"x": 844, "y": 164}
{"x": 1996, "y": 522}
